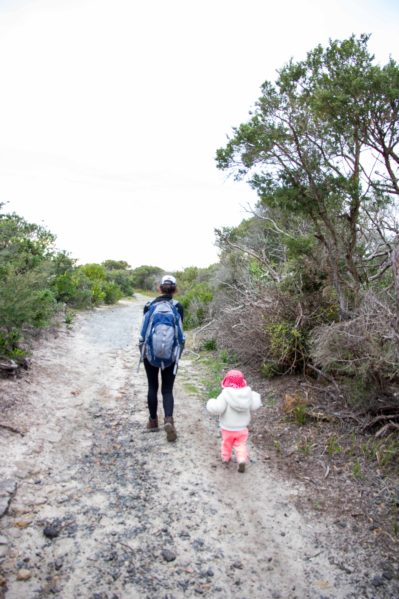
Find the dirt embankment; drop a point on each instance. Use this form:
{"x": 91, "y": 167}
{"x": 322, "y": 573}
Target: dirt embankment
{"x": 95, "y": 507}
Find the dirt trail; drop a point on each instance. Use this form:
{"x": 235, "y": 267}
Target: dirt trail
{"x": 128, "y": 515}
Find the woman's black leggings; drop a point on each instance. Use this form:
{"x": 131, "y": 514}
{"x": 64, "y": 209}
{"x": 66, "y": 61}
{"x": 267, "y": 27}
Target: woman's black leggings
{"x": 168, "y": 378}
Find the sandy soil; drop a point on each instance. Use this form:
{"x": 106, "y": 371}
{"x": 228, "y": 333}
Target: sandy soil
{"x": 101, "y": 509}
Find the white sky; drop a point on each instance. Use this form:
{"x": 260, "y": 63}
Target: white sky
{"x": 111, "y": 112}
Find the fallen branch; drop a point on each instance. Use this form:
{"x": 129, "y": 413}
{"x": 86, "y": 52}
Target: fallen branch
{"x": 9, "y": 366}
{"x": 386, "y": 429}
{"x": 320, "y": 416}
{"x": 328, "y": 378}
{"x": 378, "y": 419}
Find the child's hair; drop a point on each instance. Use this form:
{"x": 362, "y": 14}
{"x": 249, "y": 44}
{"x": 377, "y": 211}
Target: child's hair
{"x": 235, "y": 379}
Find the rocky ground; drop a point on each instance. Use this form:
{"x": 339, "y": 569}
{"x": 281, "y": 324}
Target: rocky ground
{"x": 93, "y": 506}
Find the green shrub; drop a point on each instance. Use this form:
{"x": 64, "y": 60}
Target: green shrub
{"x": 195, "y": 303}
{"x": 287, "y": 346}
{"x": 209, "y": 345}
{"x": 9, "y": 342}
{"x": 112, "y": 293}
{"x": 269, "y": 369}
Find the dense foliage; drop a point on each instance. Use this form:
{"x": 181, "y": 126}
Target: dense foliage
{"x": 37, "y": 281}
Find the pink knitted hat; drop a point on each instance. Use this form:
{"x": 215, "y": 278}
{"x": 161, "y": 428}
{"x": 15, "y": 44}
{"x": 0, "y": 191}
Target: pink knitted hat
{"x": 235, "y": 379}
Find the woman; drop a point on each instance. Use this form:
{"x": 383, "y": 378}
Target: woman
{"x": 169, "y": 313}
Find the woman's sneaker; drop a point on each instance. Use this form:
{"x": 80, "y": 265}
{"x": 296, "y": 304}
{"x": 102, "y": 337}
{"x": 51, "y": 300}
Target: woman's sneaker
{"x": 169, "y": 428}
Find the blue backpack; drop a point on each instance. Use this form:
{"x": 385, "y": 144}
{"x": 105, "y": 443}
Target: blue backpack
{"x": 162, "y": 331}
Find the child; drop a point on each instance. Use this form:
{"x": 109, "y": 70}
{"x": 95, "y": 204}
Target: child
{"x": 233, "y": 407}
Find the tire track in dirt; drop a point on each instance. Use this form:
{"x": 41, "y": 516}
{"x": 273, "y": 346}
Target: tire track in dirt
{"x": 132, "y": 516}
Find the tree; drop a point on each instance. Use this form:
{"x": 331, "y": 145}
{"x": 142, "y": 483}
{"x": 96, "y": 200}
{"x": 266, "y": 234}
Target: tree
{"x": 146, "y": 277}
{"x": 307, "y": 152}
{"x": 116, "y": 265}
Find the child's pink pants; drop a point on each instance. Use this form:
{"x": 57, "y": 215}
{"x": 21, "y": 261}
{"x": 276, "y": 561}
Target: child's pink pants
{"x": 236, "y": 439}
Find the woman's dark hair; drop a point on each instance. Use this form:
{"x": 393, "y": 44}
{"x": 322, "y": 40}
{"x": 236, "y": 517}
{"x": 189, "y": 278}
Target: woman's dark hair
{"x": 168, "y": 288}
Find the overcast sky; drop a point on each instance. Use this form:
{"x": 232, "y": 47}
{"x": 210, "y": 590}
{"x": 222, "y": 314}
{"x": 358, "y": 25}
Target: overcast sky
{"x": 111, "y": 112}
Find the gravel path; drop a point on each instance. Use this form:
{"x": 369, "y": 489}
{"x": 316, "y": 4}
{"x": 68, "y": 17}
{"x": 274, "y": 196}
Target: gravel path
{"x": 96, "y": 507}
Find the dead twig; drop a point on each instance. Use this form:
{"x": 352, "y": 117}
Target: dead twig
{"x": 386, "y": 429}
{"x": 379, "y": 418}
{"x": 127, "y": 547}
{"x": 12, "y": 429}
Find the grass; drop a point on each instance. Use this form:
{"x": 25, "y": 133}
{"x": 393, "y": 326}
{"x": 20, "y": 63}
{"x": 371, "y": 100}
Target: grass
{"x": 357, "y": 471}
{"x": 216, "y": 364}
{"x": 333, "y": 447}
{"x": 384, "y": 451}
{"x": 190, "y": 388}
{"x": 306, "y": 446}
{"x": 300, "y": 415}
{"x": 69, "y": 316}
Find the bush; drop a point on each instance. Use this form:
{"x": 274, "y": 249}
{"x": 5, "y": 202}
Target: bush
{"x": 364, "y": 347}
{"x": 196, "y": 304}
{"x": 74, "y": 288}
{"x": 112, "y": 293}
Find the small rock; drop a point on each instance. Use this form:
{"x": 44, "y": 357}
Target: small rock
{"x": 282, "y": 534}
{"x": 210, "y": 572}
{"x": 24, "y": 574}
{"x": 3, "y": 550}
{"x": 237, "y": 564}
{"x": 198, "y": 544}
{"x": 168, "y": 555}
{"x": 58, "y": 564}
{"x": 184, "y": 534}
{"x": 387, "y": 574}
{"x": 377, "y": 581}
{"x": 7, "y": 487}
{"x": 4, "y": 505}
{"x": 51, "y": 531}
{"x": 63, "y": 499}
{"x": 2, "y": 581}
{"x": 3, "y": 540}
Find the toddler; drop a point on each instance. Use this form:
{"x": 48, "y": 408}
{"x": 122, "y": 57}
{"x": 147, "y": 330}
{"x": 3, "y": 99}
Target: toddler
{"x": 233, "y": 407}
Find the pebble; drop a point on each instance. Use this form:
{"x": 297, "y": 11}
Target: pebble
{"x": 168, "y": 555}
{"x": 2, "y": 581}
{"x": 24, "y": 574}
{"x": 7, "y": 487}
{"x": 58, "y": 564}
{"x": 3, "y": 540}
{"x": 51, "y": 531}
{"x": 4, "y": 504}
{"x": 377, "y": 581}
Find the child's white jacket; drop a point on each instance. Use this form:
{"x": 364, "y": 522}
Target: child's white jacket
{"x": 233, "y": 406}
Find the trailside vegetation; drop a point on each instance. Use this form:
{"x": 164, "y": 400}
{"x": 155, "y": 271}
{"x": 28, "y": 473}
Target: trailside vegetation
{"x": 309, "y": 281}
{"x": 37, "y": 281}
